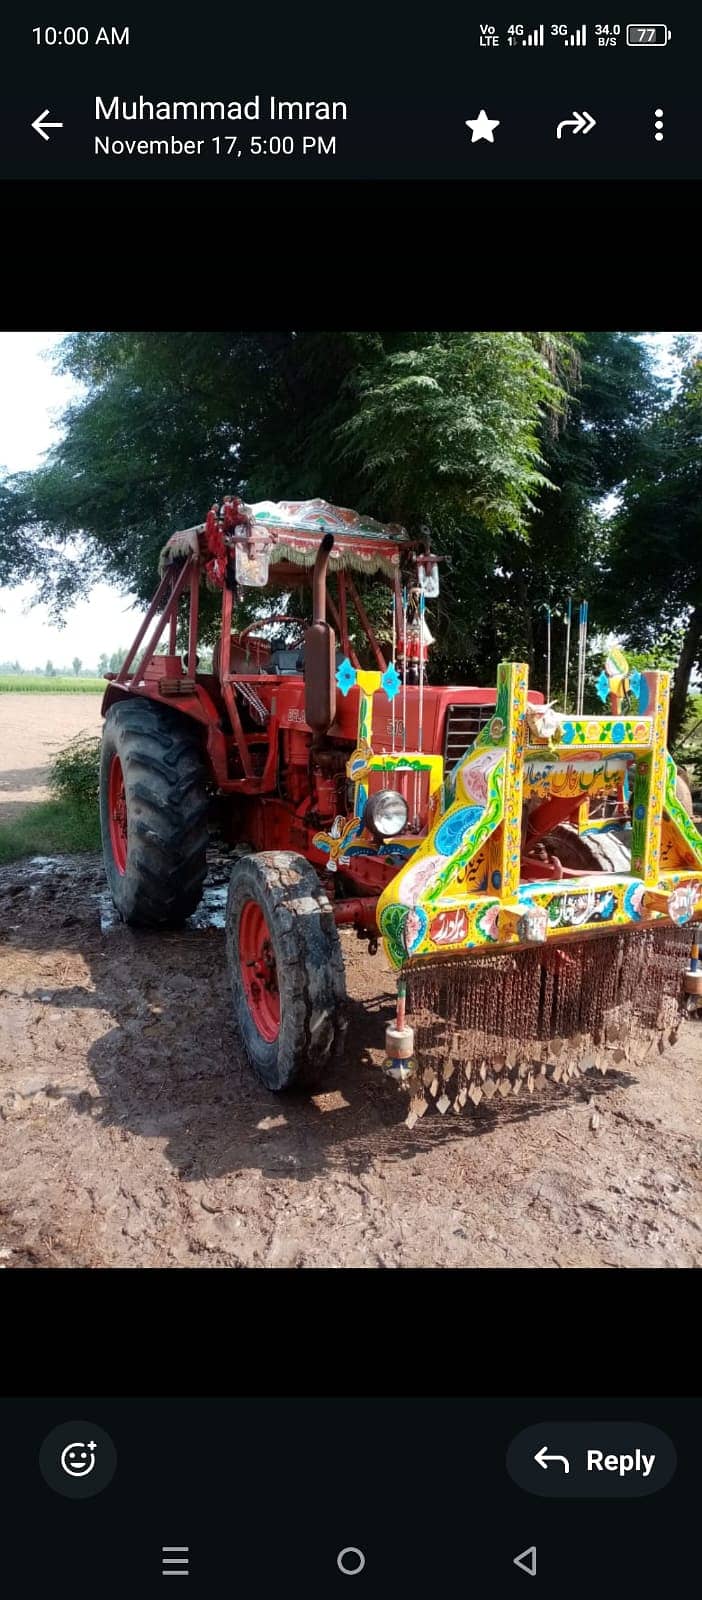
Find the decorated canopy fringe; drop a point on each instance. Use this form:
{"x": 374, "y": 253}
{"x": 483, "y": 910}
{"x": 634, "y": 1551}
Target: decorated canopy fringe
{"x": 295, "y": 527}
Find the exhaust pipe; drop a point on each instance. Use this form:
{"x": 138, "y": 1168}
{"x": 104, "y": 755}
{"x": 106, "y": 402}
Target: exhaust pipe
{"x": 319, "y": 579}
{"x": 320, "y": 649}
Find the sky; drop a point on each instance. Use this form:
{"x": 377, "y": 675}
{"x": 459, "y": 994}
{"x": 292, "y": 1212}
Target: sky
{"x": 32, "y": 397}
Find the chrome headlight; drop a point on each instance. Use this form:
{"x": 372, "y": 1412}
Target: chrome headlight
{"x": 386, "y": 814}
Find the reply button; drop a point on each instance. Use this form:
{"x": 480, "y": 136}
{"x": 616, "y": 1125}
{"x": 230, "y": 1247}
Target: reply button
{"x": 591, "y": 1460}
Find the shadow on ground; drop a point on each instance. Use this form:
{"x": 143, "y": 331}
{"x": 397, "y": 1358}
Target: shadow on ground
{"x": 171, "y": 1066}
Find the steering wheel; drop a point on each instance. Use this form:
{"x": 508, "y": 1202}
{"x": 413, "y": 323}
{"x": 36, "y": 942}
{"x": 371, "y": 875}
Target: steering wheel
{"x": 263, "y": 622}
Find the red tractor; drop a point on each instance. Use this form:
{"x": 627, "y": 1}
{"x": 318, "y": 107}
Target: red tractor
{"x": 267, "y": 733}
{"x": 457, "y": 825}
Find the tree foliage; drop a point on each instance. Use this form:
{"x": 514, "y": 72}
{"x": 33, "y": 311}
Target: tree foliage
{"x": 654, "y": 577}
{"x": 502, "y": 446}
{"x": 429, "y": 429}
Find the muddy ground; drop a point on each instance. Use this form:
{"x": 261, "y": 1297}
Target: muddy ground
{"x": 33, "y": 728}
{"x": 133, "y": 1134}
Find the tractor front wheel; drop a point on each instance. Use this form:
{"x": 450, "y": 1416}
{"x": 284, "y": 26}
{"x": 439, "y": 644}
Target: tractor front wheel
{"x": 286, "y": 969}
{"x": 153, "y": 813}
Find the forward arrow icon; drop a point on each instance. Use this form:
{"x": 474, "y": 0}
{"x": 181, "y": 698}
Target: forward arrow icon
{"x": 581, "y": 122}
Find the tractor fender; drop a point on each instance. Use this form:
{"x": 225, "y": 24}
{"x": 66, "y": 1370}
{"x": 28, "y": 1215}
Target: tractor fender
{"x": 198, "y": 706}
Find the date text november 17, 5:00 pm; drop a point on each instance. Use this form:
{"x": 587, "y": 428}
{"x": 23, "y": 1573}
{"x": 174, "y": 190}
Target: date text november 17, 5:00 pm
{"x": 212, "y": 111}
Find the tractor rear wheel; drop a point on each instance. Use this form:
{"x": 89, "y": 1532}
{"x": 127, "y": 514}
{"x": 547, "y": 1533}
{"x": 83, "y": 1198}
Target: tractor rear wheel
{"x": 286, "y": 969}
{"x": 605, "y": 851}
{"x": 153, "y": 813}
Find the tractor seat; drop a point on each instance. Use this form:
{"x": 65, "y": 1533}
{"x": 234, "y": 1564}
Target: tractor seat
{"x": 285, "y": 662}
{"x": 293, "y": 661}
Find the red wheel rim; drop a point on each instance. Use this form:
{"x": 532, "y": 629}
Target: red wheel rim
{"x": 117, "y": 807}
{"x": 258, "y": 971}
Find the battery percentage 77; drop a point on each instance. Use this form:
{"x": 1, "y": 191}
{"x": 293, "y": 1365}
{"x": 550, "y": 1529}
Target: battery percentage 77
{"x": 647, "y": 33}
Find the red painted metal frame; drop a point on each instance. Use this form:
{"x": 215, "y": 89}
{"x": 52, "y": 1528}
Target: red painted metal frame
{"x": 397, "y": 590}
{"x": 117, "y": 810}
{"x": 357, "y": 912}
{"x": 360, "y": 608}
{"x": 344, "y": 623}
{"x": 189, "y": 573}
{"x": 192, "y": 628}
{"x": 547, "y": 816}
{"x": 258, "y": 971}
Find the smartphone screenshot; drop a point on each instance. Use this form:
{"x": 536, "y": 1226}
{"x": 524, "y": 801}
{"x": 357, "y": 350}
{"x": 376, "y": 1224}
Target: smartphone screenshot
{"x": 350, "y": 801}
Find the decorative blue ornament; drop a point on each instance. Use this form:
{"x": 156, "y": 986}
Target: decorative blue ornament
{"x": 345, "y": 676}
{"x": 635, "y": 681}
{"x": 453, "y": 829}
{"x": 602, "y": 687}
{"x": 390, "y": 681}
{"x": 642, "y": 696}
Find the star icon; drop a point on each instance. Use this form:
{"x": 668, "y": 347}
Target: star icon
{"x": 482, "y": 128}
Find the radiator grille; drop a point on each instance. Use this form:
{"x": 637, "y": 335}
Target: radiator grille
{"x": 463, "y": 724}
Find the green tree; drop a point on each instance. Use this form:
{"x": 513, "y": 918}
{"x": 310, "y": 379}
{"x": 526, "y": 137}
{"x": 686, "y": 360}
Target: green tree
{"x": 654, "y": 569}
{"x": 430, "y": 429}
{"x": 49, "y": 670}
{"x": 612, "y": 393}
{"x": 459, "y": 434}
{"x": 77, "y": 664}
{"x": 586, "y": 458}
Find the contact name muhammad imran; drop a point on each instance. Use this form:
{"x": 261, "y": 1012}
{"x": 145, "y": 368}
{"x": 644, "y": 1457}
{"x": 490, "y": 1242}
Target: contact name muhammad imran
{"x": 142, "y": 110}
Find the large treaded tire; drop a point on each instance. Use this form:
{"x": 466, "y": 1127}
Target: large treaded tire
{"x": 165, "y": 789}
{"x": 607, "y": 851}
{"x": 309, "y": 969}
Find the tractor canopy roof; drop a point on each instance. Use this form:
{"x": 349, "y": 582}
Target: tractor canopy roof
{"x": 275, "y": 540}
{"x": 292, "y": 530}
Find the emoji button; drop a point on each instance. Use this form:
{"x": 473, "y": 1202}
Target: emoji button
{"x": 78, "y": 1460}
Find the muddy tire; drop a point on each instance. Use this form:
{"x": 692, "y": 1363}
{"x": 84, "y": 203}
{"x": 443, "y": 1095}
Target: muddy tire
{"x": 606, "y": 851}
{"x": 153, "y": 813}
{"x": 286, "y": 970}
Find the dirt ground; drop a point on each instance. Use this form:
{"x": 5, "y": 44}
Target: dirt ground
{"x": 33, "y": 727}
{"x": 133, "y": 1134}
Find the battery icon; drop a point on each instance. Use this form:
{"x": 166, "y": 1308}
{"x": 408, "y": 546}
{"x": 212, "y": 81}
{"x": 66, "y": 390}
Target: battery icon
{"x": 647, "y": 33}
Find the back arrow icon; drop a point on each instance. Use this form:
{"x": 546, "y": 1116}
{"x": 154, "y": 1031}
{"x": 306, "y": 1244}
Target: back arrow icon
{"x": 40, "y": 125}
{"x": 542, "y": 1458}
{"x": 526, "y": 1560}
{"x": 581, "y": 122}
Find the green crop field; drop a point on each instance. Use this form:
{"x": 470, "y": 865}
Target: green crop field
{"x": 31, "y": 683}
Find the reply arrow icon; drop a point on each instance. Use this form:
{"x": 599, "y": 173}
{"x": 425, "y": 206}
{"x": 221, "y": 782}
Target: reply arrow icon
{"x": 40, "y": 125}
{"x": 543, "y": 1459}
{"x": 580, "y": 122}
